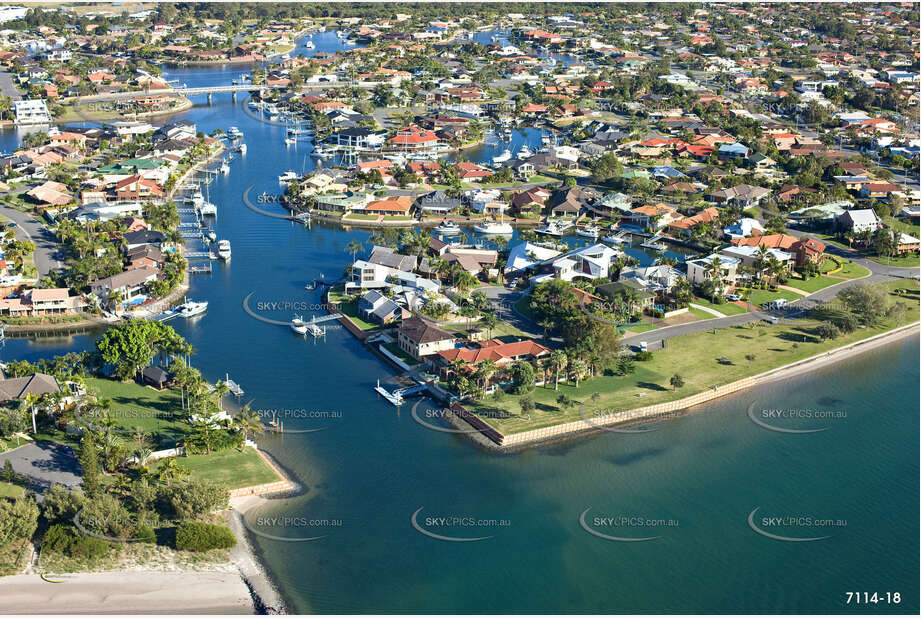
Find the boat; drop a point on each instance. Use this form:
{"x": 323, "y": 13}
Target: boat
{"x": 494, "y": 227}
{"x": 505, "y": 156}
{"x": 554, "y": 228}
{"x": 448, "y": 228}
{"x": 394, "y": 398}
{"x": 191, "y": 308}
{"x": 287, "y": 177}
{"x": 309, "y": 45}
{"x": 241, "y": 149}
{"x": 223, "y": 249}
{"x": 224, "y": 169}
{"x": 524, "y": 153}
{"x": 289, "y": 141}
{"x": 298, "y": 325}
{"x": 211, "y": 236}
{"x": 619, "y": 239}
{"x": 254, "y": 105}
{"x": 206, "y": 209}
{"x": 589, "y": 231}
{"x": 349, "y": 42}
{"x": 234, "y": 132}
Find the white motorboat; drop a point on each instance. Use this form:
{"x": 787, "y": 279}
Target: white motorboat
{"x": 505, "y": 156}
{"x": 223, "y": 249}
{"x": 395, "y": 397}
{"x": 619, "y": 239}
{"x": 253, "y": 105}
{"x": 448, "y": 228}
{"x": 290, "y": 140}
{"x": 555, "y": 228}
{"x": 298, "y": 325}
{"x": 589, "y": 231}
{"x": 287, "y": 177}
{"x": 225, "y": 169}
{"x": 206, "y": 209}
{"x": 494, "y": 227}
{"x": 241, "y": 149}
{"x": 309, "y": 45}
{"x": 234, "y": 132}
{"x": 190, "y": 309}
{"x": 212, "y": 236}
{"x": 524, "y": 153}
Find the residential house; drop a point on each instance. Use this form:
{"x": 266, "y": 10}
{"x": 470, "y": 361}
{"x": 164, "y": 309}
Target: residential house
{"x": 806, "y": 250}
{"x": 701, "y": 270}
{"x": 128, "y": 286}
{"x": 420, "y": 338}
{"x": 377, "y": 308}
{"x": 859, "y": 221}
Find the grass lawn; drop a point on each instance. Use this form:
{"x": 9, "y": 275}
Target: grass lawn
{"x": 760, "y": 297}
{"x": 703, "y": 315}
{"x": 907, "y": 260}
{"x": 726, "y": 308}
{"x": 812, "y": 284}
{"x": 642, "y": 328}
{"x": 849, "y": 270}
{"x": 694, "y": 357}
{"x": 231, "y": 469}
{"x": 9, "y": 490}
{"x": 539, "y": 178}
{"x": 503, "y": 329}
{"x": 403, "y": 356}
{"x": 904, "y": 226}
{"x": 351, "y": 310}
{"x": 523, "y": 306}
{"x": 358, "y": 217}
{"x": 136, "y": 406}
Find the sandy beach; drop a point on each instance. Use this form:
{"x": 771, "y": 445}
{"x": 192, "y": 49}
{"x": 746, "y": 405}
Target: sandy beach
{"x": 137, "y": 592}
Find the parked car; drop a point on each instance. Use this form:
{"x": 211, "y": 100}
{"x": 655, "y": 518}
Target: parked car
{"x": 780, "y": 303}
{"x": 733, "y": 297}
{"x": 644, "y": 346}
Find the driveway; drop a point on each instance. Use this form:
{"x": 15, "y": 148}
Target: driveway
{"x": 7, "y": 87}
{"x": 46, "y": 464}
{"x": 47, "y": 252}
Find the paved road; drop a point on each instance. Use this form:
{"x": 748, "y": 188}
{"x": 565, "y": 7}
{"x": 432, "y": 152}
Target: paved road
{"x": 46, "y": 464}
{"x": 47, "y": 252}
{"x": 503, "y": 301}
{"x": 7, "y": 87}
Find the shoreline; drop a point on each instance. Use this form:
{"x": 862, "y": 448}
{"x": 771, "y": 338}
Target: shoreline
{"x": 489, "y": 437}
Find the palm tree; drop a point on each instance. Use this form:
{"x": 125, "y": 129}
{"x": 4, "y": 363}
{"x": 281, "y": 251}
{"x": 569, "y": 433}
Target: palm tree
{"x": 354, "y": 247}
{"x": 761, "y": 258}
{"x": 250, "y": 423}
{"x": 559, "y": 361}
{"x": 715, "y": 270}
{"x": 577, "y": 369}
{"x": 489, "y": 322}
{"x": 170, "y": 471}
{"x": 485, "y": 371}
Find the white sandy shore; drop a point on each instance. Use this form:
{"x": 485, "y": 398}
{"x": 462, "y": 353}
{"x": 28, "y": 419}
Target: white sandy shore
{"x": 136, "y": 592}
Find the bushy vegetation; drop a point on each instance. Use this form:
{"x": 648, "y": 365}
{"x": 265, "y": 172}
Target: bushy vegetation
{"x": 201, "y": 536}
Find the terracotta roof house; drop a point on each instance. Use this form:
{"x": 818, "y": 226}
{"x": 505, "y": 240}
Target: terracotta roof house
{"x": 419, "y": 338}
{"x": 685, "y": 227}
{"x": 805, "y": 249}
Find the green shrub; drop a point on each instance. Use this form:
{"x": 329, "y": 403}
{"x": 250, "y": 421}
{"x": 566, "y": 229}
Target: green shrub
{"x": 201, "y": 536}
{"x": 143, "y": 534}
{"x": 67, "y": 540}
{"x": 643, "y": 356}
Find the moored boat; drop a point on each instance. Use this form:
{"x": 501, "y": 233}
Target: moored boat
{"x": 223, "y": 249}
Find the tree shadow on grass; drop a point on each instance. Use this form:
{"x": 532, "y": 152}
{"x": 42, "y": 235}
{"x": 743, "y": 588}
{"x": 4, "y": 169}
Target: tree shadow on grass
{"x": 799, "y": 335}
{"x": 651, "y": 386}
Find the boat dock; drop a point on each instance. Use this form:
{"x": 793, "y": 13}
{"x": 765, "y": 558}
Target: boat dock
{"x": 653, "y": 243}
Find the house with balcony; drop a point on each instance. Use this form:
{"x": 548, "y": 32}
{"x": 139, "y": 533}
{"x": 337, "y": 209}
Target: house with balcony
{"x": 701, "y": 270}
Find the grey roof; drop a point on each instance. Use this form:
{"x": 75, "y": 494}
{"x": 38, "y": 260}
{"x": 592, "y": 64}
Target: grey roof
{"x": 385, "y": 256}
{"x": 36, "y": 384}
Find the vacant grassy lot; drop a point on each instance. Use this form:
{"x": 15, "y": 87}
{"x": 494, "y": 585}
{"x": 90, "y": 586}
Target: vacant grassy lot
{"x": 760, "y": 297}
{"x": 726, "y": 308}
{"x": 696, "y": 358}
{"x": 232, "y": 469}
{"x": 812, "y": 284}
{"x": 142, "y": 407}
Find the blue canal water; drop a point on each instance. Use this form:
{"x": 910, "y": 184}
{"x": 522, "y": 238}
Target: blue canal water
{"x": 371, "y": 466}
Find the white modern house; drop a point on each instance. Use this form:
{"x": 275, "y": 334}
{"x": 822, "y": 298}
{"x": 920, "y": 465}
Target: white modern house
{"x": 31, "y": 111}
{"x": 699, "y": 270}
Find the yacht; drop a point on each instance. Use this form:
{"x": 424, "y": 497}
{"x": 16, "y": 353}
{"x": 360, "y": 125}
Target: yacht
{"x": 234, "y": 132}
{"x": 204, "y": 208}
{"x": 349, "y": 42}
{"x": 554, "y": 228}
{"x": 287, "y": 177}
{"x": 241, "y": 149}
{"x": 589, "y": 231}
{"x": 190, "y": 309}
{"x": 448, "y": 228}
{"x": 289, "y": 141}
{"x": 524, "y": 153}
{"x": 494, "y": 227}
{"x": 223, "y": 249}
{"x": 505, "y": 156}
{"x": 309, "y": 45}
{"x": 298, "y": 325}
{"x": 619, "y": 239}
{"x": 225, "y": 169}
